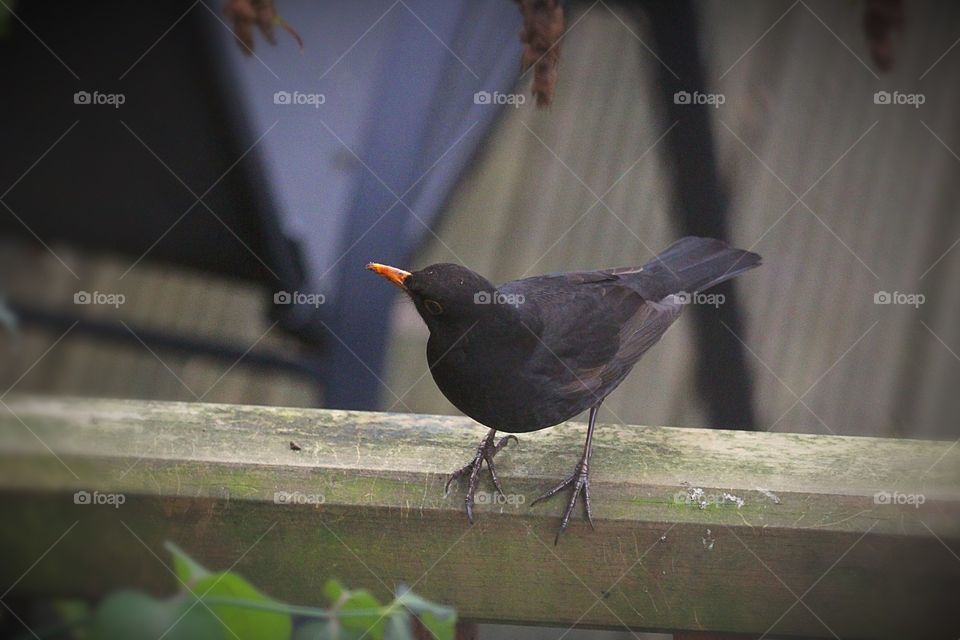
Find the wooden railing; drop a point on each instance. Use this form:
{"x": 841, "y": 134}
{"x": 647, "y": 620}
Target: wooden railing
{"x": 696, "y": 530}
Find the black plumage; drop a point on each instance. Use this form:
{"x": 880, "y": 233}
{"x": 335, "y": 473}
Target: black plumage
{"x": 532, "y": 353}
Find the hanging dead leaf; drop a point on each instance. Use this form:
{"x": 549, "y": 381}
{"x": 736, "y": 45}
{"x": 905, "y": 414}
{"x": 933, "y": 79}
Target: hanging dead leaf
{"x": 543, "y": 25}
{"x": 248, "y": 14}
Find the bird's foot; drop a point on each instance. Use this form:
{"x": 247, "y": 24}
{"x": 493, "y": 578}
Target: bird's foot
{"x": 578, "y": 481}
{"x": 485, "y": 452}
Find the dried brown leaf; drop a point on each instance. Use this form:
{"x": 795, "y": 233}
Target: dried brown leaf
{"x": 543, "y": 26}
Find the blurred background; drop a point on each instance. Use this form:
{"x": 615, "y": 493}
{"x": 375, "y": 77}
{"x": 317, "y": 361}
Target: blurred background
{"x": 188, "y": 219}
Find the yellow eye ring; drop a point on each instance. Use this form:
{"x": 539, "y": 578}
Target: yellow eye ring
{"x": 433, "y": 307}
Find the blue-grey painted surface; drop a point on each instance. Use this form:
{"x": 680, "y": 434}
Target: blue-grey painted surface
{"x": 397, "y": 119}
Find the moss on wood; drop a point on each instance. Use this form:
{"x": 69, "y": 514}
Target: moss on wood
{"x": 696, "y": 529}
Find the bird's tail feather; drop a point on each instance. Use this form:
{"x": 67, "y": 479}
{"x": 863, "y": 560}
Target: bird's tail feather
{"x": 694, "y": 264}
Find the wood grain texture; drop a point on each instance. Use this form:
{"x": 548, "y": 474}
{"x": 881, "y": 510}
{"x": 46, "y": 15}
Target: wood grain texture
{"x": 368, "y": 508}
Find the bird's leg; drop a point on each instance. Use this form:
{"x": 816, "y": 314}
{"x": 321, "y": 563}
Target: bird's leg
{"x": 485, "y": 452}
{"x": 579, "y": 481}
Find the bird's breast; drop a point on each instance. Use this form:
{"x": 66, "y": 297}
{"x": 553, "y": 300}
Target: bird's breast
{"x": 492, "y": 381}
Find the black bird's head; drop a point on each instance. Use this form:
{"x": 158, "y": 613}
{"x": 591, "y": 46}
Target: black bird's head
{"x": 446, "y": 295}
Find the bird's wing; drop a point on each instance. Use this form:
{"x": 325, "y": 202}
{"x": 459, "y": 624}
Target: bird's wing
{"x": 592, "y": 329}
{"x": 634, "y": 338}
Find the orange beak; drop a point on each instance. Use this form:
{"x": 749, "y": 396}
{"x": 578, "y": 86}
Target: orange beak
{"x": 394, "y": 275}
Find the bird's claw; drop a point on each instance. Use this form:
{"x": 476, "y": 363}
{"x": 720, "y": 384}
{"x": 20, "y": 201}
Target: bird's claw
{"x": 579, "y": 481}
{"x": 502, "y": 442}
{"x": 485, "y": 452}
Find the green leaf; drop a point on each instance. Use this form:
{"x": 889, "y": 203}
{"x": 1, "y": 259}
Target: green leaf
{"x": 315, "y": 631}
{"x": 333, "y": 590}
{"x": 133, "y": 615}
{"x": 328, "y": 630}
{"x": 399, "y": 626}
{"x": 186, "y": 568}
{"x": 372, "y": 625}
{"x": 441, "y": 621}
{"x": 246, "y": 624}
{"x": 441, "y": 628}
{"x": 418, "y": 604}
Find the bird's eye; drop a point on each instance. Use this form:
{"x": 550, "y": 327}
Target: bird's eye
{"x": 433, "y": 307}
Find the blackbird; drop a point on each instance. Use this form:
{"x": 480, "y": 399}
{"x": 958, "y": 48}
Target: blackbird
{"x": 532, "y": 353}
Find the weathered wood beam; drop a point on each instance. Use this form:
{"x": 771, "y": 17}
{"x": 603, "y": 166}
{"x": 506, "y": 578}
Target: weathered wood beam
{"x": 368, "y": 508}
